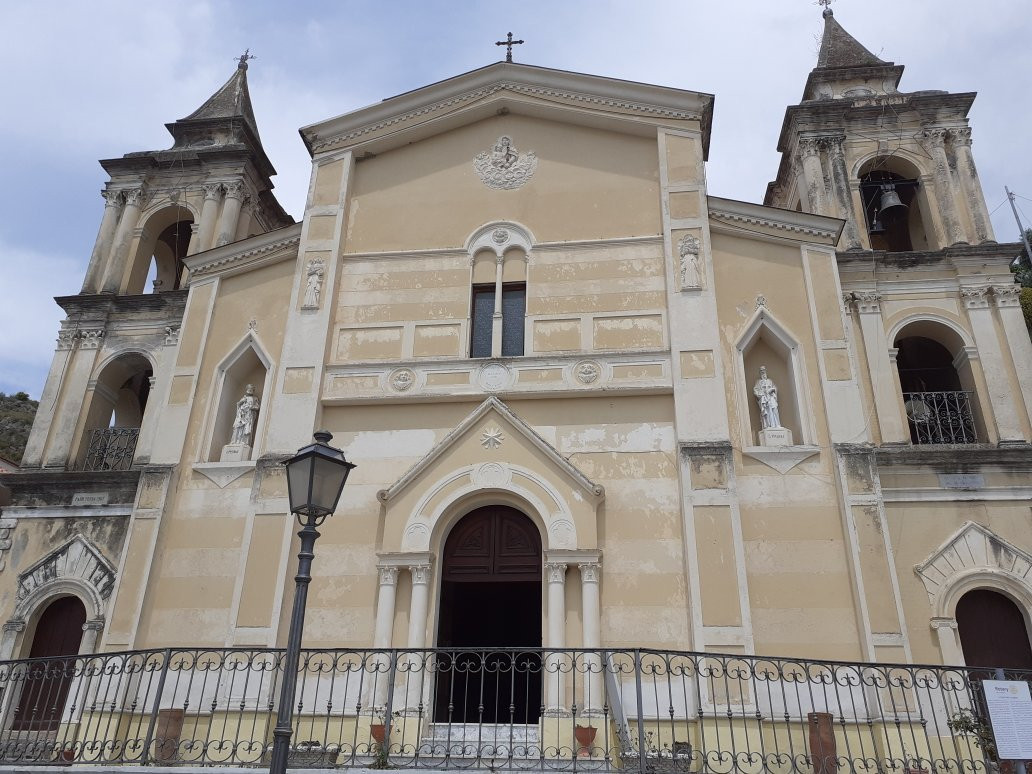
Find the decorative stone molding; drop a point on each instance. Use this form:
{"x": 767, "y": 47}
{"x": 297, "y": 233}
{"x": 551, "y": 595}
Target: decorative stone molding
{"x": 867, "y": 301}
{"x": 235, "y": 190}
{"x": 112, "y": 198}
{"x": 971, "y": 549}
{"x": 943, "y": 623}
{"x": 810, "y": 146}
{"x": 975, "y": 297}
{"x": 494, "y": 377}
{"x": 847, "y": 302}
{"x": 492, "y": 438}
{"x": 555, "y": 572}
{"x": 315, "y": 272}
{"x": 76, "y": 559}
{"x": 833, "y": 144}
{"x": 492, "y": 474}
{"x": 229, "y": 258}
{"x": 172, "y": 335}
{"x": 960, "y": 136}
{"x": 402, "y": 379}
{"x": 420, "y": 573}
{"x": 222, "y": 474}
{"x": 504, "y": 167}
{"x": 932, "y": 138}
{"x": 66, "y": 339}
{"x": 587, "y": 371}
{"x": 134, "y": 196}
{"x": 780, "y": 458}
{"x": 1007, "y": 295}
{"x": 6, "y": 527}
{"x": 781, "y": 225}
{"x": 90, "y": 338}
{"x": 212, "y": 190}
{"x": 499, "y": 236}
{"x": 388, "y": 575}
{"x": 590, "y": 571}
{"x": 15, "y": 626}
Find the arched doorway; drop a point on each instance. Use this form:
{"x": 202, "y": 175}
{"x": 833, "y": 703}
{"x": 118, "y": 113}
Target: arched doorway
{"x": 46, "y": 682}
{"x": 490, "y": 600}
{"x": 992, "y": 630}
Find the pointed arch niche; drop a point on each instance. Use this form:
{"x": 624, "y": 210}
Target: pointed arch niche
{"x": 766, "y": 342}
{"x": 247, "y": 364}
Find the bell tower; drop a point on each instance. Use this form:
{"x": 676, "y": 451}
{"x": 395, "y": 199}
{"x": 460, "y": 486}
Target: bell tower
{"x": 211, "y": 187}
{"x": 896, "y": 166}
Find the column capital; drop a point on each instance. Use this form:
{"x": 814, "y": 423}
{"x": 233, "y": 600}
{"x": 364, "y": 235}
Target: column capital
{"x": 1007, "y": 295}
{"x": 833, "y": 143}
{"x": 14, "y": 625}
{"x": 943, "y": 623}
{"x": 961, "y": 136}
{"x": 556, "y": 572}
{"x": 590, "y": 571}
{"x": 868, "y": 301}
{"x": 388, "y": 575}
{"x": 421, "y": 573}
{"x": 66, "y": 338}
{"x": 975, "y": 297}
{"x": 93, "y": 625}
{"x": 212, "y": 190}
{"x": 133, "y": 196}
{"x": 809, "y": 146}
{"x": 235, "y": 190}
{"x": 112, "y": 198}
{"x": 933, "y": 138}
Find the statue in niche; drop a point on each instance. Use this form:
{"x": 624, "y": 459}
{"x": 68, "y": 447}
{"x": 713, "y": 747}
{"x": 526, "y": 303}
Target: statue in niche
{"x": 691, "y": 275}
{"x": 246, "y": 414}
{"x": 313, "y": 285}
{"x": 766, "y": 393}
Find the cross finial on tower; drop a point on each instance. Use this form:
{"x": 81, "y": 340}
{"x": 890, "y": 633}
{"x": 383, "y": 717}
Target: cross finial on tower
{"x": 508, "y": 43}
{"x": 827, "y": 7}
{"x": 242, "y": 59}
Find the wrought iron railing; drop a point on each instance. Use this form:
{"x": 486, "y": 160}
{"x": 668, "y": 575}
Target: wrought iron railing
{"x": 940, "y": 417}
{"x": 637, "y": 710}
{"x": 111, "y": 448}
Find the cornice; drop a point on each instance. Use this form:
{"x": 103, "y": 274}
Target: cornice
{"x": 973, "y": 256}
{"x": 246, "y": 254}
{"x": 794, "y": 225}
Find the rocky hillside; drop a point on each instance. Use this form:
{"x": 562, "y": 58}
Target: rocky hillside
{"x": 16, "y": 414}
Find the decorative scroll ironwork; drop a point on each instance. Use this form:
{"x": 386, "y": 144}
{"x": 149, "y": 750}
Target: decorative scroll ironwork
{"x": 111, "y": 448}
{"x": 601, "y": 710}
{"x": 940, "y": 417}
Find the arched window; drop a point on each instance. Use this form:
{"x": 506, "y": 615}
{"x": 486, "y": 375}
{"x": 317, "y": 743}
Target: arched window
{"x": 937, "y": 384}
{"x": 159, "y": 263}
{"x": 45, "y": 683}
{"x": 499, "y": 254}
{"x": 894, "y": 211}
{"x": 993, "y": 631}
{"x": 115, "y": 413}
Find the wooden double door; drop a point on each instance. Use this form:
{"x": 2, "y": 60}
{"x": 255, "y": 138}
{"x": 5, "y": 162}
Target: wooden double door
{"x": 490, "y": 615}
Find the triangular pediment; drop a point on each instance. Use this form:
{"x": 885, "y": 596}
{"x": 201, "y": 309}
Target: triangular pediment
{"x": 972, "y": 547}
{"x": 495, "y": 424}
{"x": 502, "y": 88}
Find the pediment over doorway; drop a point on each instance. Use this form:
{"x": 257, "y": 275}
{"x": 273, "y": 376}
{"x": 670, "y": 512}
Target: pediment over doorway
{"x": 492, "y": 456}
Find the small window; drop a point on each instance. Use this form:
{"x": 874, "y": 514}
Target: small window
{"x": 513, "y": 307}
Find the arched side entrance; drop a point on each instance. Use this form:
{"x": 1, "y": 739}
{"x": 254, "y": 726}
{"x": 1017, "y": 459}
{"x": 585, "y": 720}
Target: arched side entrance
{"x": 490, "y": 599}
{"x": 45, "y": 683}
{"x": 993, "y": 631}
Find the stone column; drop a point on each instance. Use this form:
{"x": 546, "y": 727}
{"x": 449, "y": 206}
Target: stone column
{"x": 230, "y": 213}
{"x": 123, "y": 240}
{"x": 209, "y": 215}
{"x": 888, "y": 402}
{"x": 1008, "y": 305}
{"x": 934, "y": 141}
{"x": 496, "y": 319}
{"x": 591, "y": 621}
{"x": 843, "y": 195}
{"x": 11, "y": 630}
{"x": 383, "y": 630}
{"x": 813, "y": 172}
{"x": 90, "y": 634}
{"x": 997, "y": 382}
{"x": 418, "y": 666}
{"x": 102, "y": 247}
{"x": 554, "y": 677}
{"x": 949, "y": 644}
{"x": 961, "y": 140}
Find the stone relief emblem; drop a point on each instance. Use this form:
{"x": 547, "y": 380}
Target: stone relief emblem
{"x": 691, "y": 274}
{"x": 587, "y": 372}
{"x": 494, "y": 377}
{"x": 500, "y": 236}
{"x": 492, "y": 438}
{"x": 402, "y": 379}
{"x": 313, "y": 284}
{"x": 504, "y": 167}
{"x": 492, "y": 474}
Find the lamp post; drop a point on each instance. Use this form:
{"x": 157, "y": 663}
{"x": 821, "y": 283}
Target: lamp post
{"x": 315, "y": 478}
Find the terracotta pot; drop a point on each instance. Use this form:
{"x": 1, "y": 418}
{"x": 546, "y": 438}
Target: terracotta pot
{"x": 822, "y": 743}
{"x": 378, "y": 731}
{"x": 584, "y": 735}
{"x": 167, "y": 734}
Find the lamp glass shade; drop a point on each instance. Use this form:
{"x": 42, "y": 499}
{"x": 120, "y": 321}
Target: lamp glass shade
{"x": 315, "y": 479}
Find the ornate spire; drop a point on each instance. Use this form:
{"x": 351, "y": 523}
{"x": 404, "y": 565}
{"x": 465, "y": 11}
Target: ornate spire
{"x": 840, "y": 49}
{"x": 231, "y": 101}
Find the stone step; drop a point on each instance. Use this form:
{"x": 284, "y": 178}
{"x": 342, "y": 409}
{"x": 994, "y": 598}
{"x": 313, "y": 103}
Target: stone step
{"x": 487, "y": 740}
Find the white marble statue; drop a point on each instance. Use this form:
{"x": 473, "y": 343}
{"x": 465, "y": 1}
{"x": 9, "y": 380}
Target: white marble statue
{"x": 691, "y": 276}
{"x": 766, "y": 393}
{"x": 246, "y": 413}
{"x": 313, "y": 285}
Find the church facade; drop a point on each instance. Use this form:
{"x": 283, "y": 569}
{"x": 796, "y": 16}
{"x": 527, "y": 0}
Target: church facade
{"x": 590, "y": 404}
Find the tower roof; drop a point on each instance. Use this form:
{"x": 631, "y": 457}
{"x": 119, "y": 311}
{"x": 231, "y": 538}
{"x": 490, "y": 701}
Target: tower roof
{"x": 231, "y": 101}
{"x": 840, "y": 49}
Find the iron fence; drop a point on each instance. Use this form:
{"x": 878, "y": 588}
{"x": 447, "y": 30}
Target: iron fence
{"x": 111, "y": 448}
{"x": 940, "y": 417}
{"x": 599, "y": 710}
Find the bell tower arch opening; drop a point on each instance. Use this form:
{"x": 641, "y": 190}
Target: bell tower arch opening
{"x": 490, "y": 601}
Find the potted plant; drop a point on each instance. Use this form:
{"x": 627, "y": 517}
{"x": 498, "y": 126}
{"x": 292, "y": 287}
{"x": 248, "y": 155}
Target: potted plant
{"x": 966, "y": 721}
{"x": 585, "y": 736}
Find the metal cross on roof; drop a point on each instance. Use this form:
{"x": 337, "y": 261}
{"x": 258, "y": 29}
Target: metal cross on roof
{"x": 827, "y": 6}
{"x": 508, "y": 43}
{"x": 242, "y": 59}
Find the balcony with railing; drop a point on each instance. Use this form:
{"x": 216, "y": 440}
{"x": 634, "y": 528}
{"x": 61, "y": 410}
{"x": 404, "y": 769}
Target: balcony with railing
{"x": 940, "y": 417}
{"x": 599, "y": 710}
{"x": 111, "y": 448}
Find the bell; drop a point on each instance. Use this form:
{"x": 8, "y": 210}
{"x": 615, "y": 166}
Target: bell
{"x": 889, "y": 200}
{"x": 876, "y": 228}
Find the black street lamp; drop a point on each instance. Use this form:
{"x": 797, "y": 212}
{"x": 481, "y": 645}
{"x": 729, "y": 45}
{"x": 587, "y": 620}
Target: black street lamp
{"x": 315, "y": 478}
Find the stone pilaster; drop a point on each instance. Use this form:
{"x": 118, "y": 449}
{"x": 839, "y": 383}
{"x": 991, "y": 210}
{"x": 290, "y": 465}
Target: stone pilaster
{"x": 934, "y": 141}
{"x": 961, "y": 141}
{"x": 813, "y": 173}
{"x": 591, "y": 637}
{"x": 231, "y": 207}
{"x": 888, "y": 402}
{"x": 554, "y": 674}
{"x": 1007, "y": 299}
{"x": 209, "y": 217}
{"x": 123, "y": 240}
{"x": 102, "y": 248}
{"x": 843, "y": 195}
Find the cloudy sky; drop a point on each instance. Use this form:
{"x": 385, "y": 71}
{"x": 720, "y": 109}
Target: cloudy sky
{"x": 83, "y": 81}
